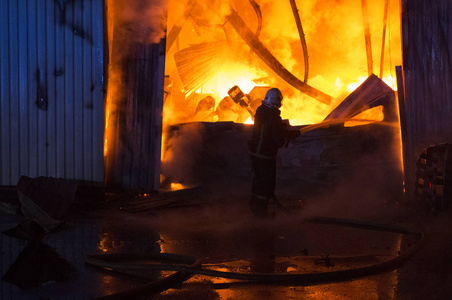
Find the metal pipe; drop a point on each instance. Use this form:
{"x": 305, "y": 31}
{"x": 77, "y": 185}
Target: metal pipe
{"x": 385, "y": 21}
{"x": 370, "y": 70}
{"x": 302, "y": 39}
{"x": 256, "y": 45}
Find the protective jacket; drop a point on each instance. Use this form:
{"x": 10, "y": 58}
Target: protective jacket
{"x": 269, "y": 133}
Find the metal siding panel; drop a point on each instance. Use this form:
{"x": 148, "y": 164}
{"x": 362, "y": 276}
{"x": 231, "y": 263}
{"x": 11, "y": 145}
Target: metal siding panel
{"x": 158, "y": 109}
{"x": 14, "y": 88}
{"x": 1, "y": 93}
{"x": 78, "y": 92}
{"x": 23, "y": 84}
{"x": 145, "y": 149}
{"x": 42, "y": 87}
{"x": 45, "y": 55}
{"x": 32, "y": 90}
{"x": 4, "y": 94}
{"x": 126, "y": 133}
{"x": 427, "y": 58}
{"x": 98, "y": 101}
{"x": 69, "y": 96}
{"x": 149, "y": 136}
{"x": 156, "y": 132}
{"x": 142, "y": 128}
{"x": 59, "y": 73}
{"x": 50, "y": 82}
{"x": 136, "y": 100}
{"x": 427, "y": 44}
{"x": 87, "y": 92}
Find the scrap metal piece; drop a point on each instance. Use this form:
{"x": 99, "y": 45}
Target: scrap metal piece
{"x": 302, "y": 39}
{"x": 371, "y": 93}
{"x": 46, "y": 200}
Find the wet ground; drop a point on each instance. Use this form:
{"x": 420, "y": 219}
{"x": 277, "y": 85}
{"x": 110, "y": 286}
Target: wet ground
{"x": 226, "y": 237}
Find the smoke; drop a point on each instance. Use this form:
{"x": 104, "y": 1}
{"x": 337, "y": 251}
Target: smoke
{"x": 371, "y": 191}
{"x": 131, "y": 24}
{"x": 137, "y": 21}
{"x": 208, "y": 13}
{"x": 181, "y": 151}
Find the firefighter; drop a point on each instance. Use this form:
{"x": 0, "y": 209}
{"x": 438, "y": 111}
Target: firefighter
{"x": 269, "y": 134}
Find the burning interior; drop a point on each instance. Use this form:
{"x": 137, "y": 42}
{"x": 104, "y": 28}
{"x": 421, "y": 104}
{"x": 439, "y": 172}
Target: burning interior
{"x": 222, "y": 56}
{"x": 214, "y": 46}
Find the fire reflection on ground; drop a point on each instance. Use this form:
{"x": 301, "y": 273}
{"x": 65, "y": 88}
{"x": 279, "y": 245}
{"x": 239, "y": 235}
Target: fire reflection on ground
{"x": 281, "y": 249}
{"x": 226, "y": 239}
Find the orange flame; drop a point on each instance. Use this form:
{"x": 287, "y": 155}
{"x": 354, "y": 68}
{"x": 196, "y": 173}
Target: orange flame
{"x": 336, "y": 49}
{"x": 177, "y": 186}
{"x": 337, "y": 54}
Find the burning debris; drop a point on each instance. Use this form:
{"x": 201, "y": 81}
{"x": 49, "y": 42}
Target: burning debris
{"x": 190, "y": 58}
{"x": 370, "y": 94}
{"x": 214, "y": 46}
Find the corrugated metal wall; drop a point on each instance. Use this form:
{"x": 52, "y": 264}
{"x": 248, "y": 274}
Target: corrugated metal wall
{"x": 427, "y": 68}
{"x": 51, "y": 89}
{"x": 134, "y": 103}
{"x": 134, "y": 144}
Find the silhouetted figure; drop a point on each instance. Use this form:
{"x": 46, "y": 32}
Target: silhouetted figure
{"x": 269, "y": 134}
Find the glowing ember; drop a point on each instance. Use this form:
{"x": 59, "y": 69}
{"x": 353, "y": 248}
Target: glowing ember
{"x": 249, "y": 121}
{"x": 176, "y": 186}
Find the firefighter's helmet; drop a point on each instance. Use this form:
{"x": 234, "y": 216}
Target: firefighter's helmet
{"x": 273, "y": 98}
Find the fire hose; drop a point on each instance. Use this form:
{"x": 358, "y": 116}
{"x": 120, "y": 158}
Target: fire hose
{"x": 189, "y": 265}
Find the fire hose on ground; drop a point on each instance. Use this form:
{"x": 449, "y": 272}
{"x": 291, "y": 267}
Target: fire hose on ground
{"x": 186, "y": 266}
